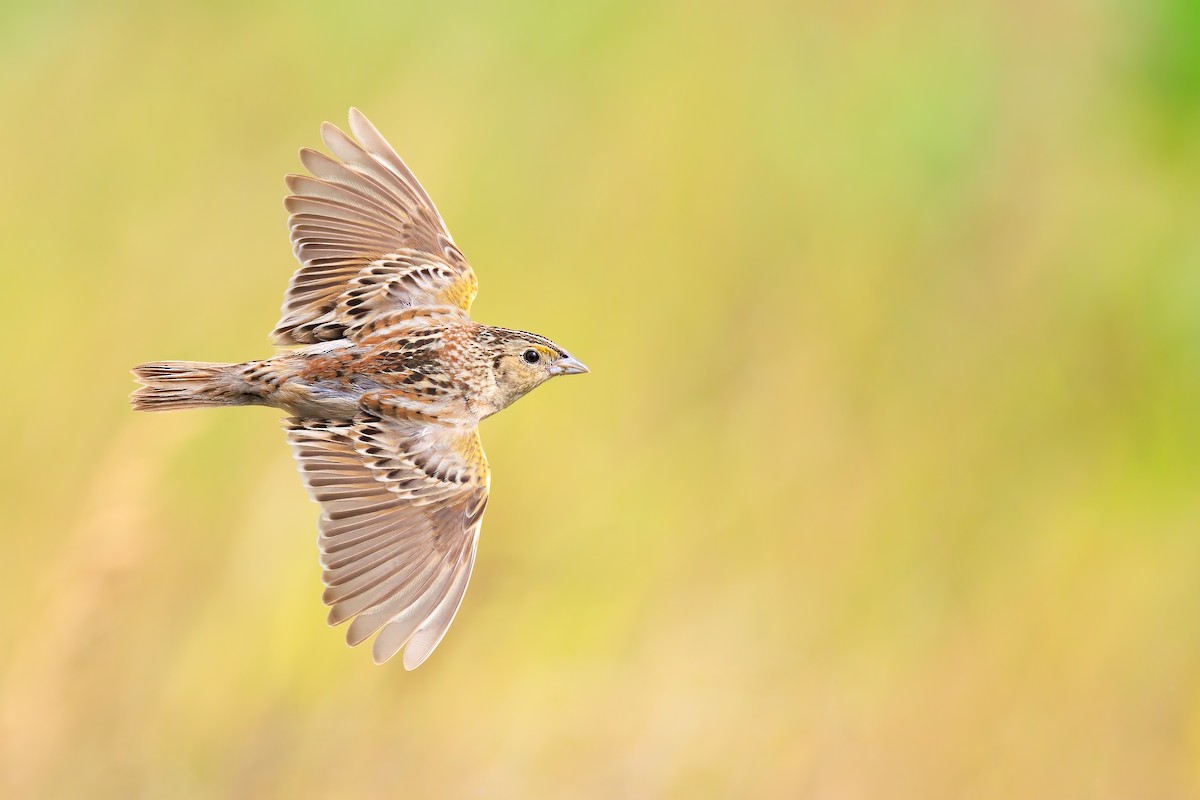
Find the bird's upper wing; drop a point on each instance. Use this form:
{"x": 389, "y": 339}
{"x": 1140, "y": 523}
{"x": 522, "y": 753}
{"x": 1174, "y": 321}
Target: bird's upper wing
{"x": 401, "y": 506}
{"x": 368, "y": 238}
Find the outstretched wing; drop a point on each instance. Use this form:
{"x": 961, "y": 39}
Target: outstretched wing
{"x": 368, "y": 238}
{"x": 401, "y": 506}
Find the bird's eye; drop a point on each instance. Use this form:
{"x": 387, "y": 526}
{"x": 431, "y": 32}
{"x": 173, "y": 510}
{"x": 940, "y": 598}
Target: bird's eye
{"x": 531, "y": 356}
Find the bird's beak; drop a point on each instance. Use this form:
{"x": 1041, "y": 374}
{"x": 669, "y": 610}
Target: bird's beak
{"x": 568, "y": 366}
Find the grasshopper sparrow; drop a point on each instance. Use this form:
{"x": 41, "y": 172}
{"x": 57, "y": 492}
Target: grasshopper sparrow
{"x": 385, "y": 391}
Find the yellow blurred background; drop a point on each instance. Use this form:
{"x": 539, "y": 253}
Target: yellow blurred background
{"x": 884, "y": 482}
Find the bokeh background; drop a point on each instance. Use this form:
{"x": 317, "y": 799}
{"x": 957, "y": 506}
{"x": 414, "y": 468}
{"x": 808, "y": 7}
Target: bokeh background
{"x": 884, "y": 482}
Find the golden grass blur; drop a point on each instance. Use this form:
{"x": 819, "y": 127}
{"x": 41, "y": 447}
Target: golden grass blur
{"x": 882, "y": 485}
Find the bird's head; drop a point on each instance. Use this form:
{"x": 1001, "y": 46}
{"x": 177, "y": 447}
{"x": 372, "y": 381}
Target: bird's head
{"x": 521, "y": 361}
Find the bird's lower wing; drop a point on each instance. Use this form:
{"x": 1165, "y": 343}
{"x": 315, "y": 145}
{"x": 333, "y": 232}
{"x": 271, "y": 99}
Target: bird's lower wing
{"x": 401, "y": 507}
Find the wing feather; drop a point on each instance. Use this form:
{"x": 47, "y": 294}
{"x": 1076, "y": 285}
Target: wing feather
{"x": 401, "y": 509}
{"x": 429, "y": 635}
{"x": 361, "y": 222}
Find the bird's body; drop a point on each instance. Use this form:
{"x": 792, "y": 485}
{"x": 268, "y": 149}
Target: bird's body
{"x": 389, "y": 381}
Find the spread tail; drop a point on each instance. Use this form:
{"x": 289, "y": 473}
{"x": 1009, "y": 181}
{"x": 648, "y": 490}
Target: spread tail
{"x": 173, "y": 385}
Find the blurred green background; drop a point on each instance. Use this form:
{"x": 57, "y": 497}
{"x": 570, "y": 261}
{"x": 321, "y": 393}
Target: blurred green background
{"x": 884, "y": 482}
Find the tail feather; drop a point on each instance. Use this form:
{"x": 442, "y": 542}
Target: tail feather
{"x": 173, "y": 385}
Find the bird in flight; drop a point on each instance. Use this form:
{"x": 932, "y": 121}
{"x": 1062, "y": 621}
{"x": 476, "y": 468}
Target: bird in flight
{"x": 385, "y": 388}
